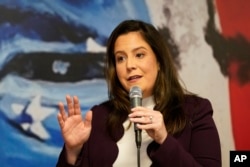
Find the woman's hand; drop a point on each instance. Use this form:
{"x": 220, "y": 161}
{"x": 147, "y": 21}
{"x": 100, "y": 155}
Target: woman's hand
{"x": 151, "y": 121}
{"x": 75, "y": 130}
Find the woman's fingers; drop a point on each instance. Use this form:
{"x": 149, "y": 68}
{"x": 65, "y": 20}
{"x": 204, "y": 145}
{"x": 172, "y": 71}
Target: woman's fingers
{"x": 148, "y": 119}
{"x": 73, "y": 109}
{"x": 62, "y": 111}
{"x": 151, "y": 121}
{"x": 145, "y": 117}
{"x": 77, "y": 108}
{"x": 60, "y": 120}
{"x": 73, "y": 105}
{"x": 70, "y": 105}
{"x": 88, "y": 119}
{"x": 61, "y": 116}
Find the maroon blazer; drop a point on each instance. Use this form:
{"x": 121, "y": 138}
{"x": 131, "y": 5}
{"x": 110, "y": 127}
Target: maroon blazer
{"x": 197, "y": 145}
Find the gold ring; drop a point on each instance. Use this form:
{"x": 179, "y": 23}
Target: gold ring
{"x": 151, "y": 119}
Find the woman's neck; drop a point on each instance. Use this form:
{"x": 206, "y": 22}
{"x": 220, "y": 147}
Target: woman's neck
{"x": 148, "y": 101}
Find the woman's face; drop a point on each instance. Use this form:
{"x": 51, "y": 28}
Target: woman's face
{"x": 136, "y": 63}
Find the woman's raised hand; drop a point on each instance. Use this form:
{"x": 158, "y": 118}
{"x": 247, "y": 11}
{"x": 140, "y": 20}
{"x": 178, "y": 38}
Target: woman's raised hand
{"x": 75, "y": 130}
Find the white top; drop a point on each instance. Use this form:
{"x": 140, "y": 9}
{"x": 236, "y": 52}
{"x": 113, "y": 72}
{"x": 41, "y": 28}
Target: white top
{"x": 127, "y": 155}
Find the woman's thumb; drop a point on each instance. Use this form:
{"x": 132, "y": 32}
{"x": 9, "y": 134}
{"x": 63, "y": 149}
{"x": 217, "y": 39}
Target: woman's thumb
{"x": 88, "y": 118}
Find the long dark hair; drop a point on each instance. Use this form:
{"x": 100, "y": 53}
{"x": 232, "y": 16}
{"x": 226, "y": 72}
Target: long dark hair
{"x": 168, "y": 92}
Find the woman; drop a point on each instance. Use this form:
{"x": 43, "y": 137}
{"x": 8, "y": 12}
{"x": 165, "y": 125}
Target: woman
{"x": 177, "y": 127}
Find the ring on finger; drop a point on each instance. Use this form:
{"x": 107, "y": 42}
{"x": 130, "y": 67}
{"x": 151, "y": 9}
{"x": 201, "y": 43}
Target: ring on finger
{"x": 151, "y": 119}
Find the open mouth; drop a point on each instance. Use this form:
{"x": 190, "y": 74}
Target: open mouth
{"x": 135, "y": 77}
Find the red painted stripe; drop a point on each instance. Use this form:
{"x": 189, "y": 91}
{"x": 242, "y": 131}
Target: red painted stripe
{"x": 234, "y": 16}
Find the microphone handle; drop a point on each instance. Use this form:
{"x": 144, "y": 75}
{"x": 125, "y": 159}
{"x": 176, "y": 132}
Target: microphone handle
{"x": 138, "y": 137}
{"x": 136, "y": 101}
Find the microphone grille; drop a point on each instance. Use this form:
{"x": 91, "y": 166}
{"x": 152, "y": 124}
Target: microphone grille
{"x": 135, "y": 91}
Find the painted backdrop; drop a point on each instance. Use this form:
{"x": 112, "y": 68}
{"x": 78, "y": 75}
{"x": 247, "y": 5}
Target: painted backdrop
{"x": 52, "y": 48}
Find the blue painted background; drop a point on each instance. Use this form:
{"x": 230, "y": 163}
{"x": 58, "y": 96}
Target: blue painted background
{"x": 44, "y": 55}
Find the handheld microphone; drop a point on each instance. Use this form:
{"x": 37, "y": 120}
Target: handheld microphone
{"x": 135, "y": 95}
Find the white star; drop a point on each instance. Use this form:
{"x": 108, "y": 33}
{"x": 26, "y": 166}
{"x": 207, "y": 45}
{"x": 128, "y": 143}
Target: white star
{"x": 38, "y": 113}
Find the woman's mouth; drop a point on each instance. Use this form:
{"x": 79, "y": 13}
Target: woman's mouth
{"x": 134, "y": 78}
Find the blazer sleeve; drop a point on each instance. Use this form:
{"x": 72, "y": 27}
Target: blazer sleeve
{"x": 81, "y": 159}
{"x": 203, "y": 148}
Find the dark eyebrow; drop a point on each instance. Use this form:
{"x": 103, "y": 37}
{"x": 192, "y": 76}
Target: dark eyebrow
{"x": 140, "y": 47}
{"x": 135, "y": 49}
{"x": 118, "y": 52}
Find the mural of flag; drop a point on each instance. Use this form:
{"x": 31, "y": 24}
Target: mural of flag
{"x": 42, "y": 45}
{"x": 234, "y": 19}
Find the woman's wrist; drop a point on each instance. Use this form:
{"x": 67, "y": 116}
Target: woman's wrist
{"x": 72, "y": 155}
{"x": 162, "y": 138}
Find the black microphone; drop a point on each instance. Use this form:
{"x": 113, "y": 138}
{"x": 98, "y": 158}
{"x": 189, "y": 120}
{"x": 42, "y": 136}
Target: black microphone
{"x": 135, "y": 95}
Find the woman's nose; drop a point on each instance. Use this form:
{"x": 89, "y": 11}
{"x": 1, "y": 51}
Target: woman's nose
{"x": 131, "y": 64}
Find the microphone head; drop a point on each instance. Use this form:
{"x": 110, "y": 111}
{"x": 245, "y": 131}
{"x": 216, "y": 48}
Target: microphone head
{"x": 135, "y": 91}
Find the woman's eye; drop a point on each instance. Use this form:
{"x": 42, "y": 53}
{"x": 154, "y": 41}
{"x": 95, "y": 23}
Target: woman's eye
{"x": 140, "y": 55}
{"x": 120, "y": 59}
